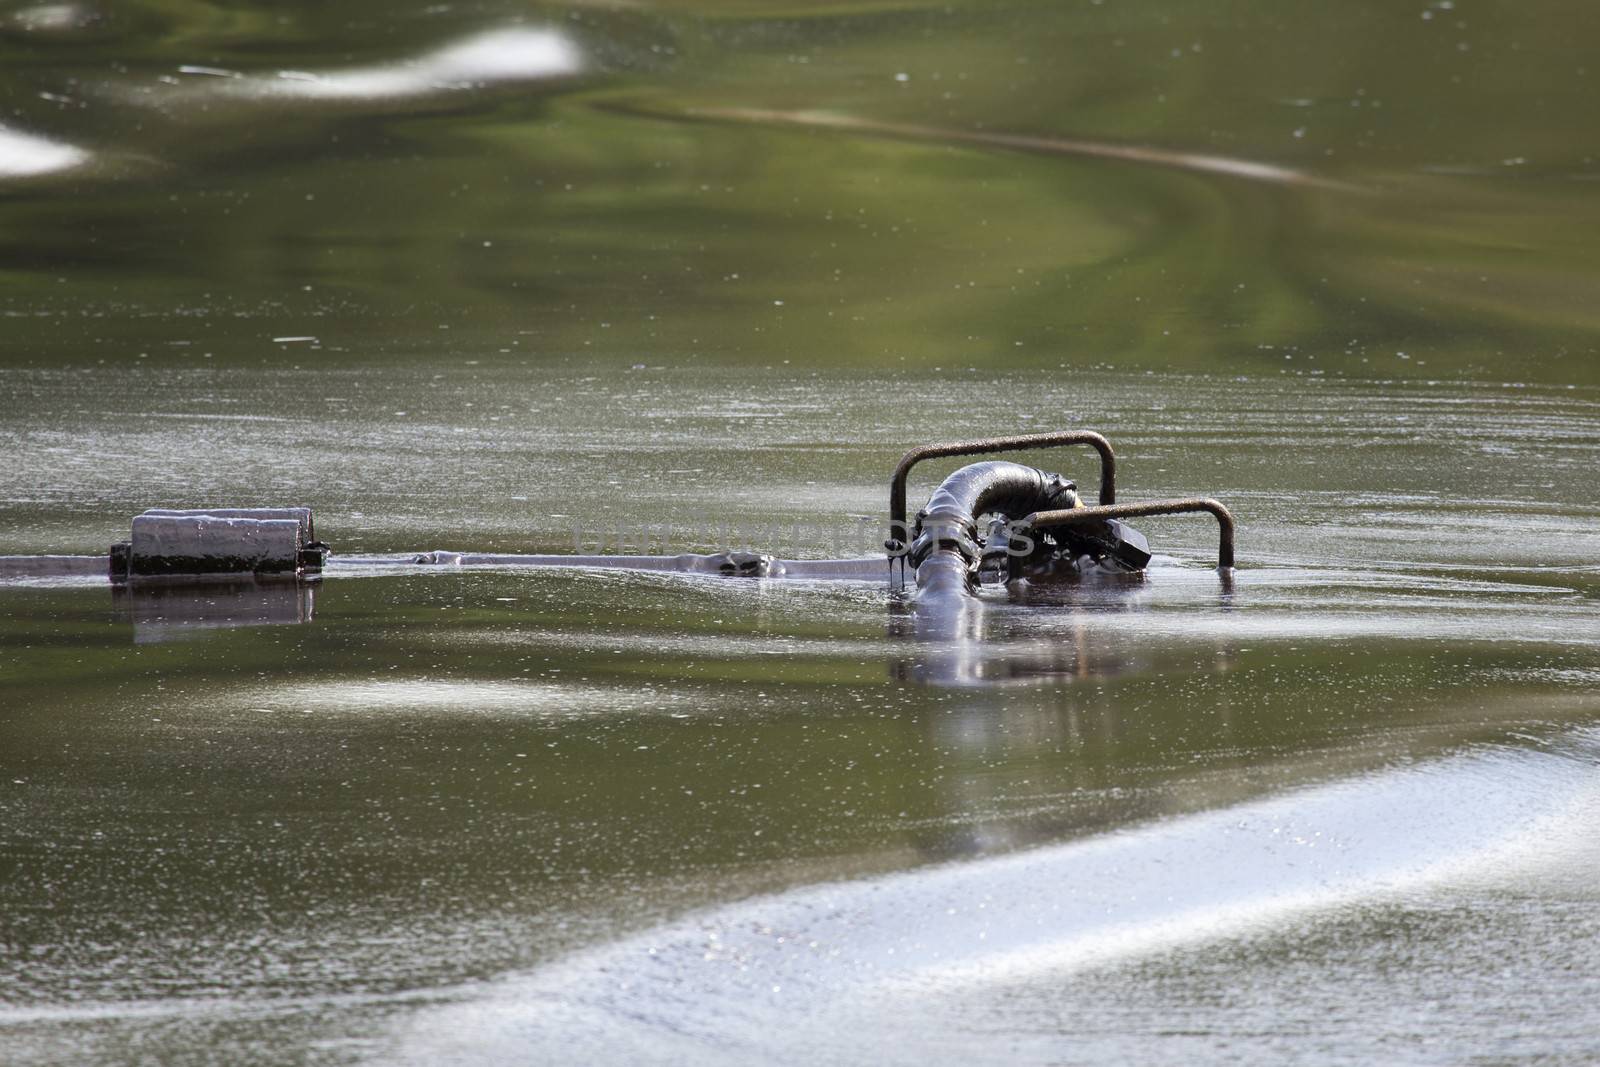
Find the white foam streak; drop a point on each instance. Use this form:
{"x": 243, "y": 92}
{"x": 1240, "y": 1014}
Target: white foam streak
{"x": 508, "y": 699}
{"x": 24, "y": 155}
{"x": 507, "y": 55}
{"x": 1067, "y": 146}
{"x": 781, "y": 978}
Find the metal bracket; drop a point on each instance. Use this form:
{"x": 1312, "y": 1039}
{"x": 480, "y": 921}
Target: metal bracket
{"x": 1077, "y": 516}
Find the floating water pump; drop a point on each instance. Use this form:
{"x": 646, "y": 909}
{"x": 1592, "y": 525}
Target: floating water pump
{"x": 990, "y": 522}
{"x": 219, "y": 541}
{"x": 1037, "y": 524}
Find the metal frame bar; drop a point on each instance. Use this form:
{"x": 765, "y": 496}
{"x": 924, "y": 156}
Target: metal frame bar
{"x": 1015, "y": 443}
{"x": 1076, "y": 516}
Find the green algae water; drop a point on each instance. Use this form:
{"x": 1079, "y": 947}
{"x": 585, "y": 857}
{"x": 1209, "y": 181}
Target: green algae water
{"x": 545, "y": 278}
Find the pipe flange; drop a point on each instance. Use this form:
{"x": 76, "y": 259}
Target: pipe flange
{"x": 943, "y": 535}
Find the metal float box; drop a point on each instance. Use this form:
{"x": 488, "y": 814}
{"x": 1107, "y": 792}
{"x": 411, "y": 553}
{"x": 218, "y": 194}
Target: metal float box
{"x": 219, "y": 543}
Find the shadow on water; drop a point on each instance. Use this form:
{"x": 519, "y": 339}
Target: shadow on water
{"x": 549, "y": 181}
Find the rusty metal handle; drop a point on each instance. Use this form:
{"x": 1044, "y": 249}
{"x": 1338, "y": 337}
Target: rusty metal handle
{"x": 1076, "y": 516}
{"x": 897, "y": 484}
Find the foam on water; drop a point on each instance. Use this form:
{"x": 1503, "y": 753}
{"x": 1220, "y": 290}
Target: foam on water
{"x": 24, "y": 155}
{"x": 443, "y": 696}
{"x": 851, "y": 966}
{"x": 504, "y": 55}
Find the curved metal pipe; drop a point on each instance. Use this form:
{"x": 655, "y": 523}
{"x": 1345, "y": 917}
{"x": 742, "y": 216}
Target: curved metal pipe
{"x": 946, "y": 550}
{"x": 1077, "y": 516}
{"x": 897, "y": 483}
{"x": 995, "y": 485}
{"x": 949, "y": 522}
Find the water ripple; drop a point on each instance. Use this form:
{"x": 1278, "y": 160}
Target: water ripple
{"x": 824, "y": 971}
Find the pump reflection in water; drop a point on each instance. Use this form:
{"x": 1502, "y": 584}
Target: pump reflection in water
{"x": 960, "y": 648}
{"x": 168, "y": 611}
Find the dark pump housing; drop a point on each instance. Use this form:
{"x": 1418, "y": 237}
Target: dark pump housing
{"x": 1037, "y": 523}
{"x": 219, "y": 541}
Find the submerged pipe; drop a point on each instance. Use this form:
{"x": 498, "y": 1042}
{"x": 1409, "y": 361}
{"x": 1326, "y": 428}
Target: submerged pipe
{"x": 724, "y": 564}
